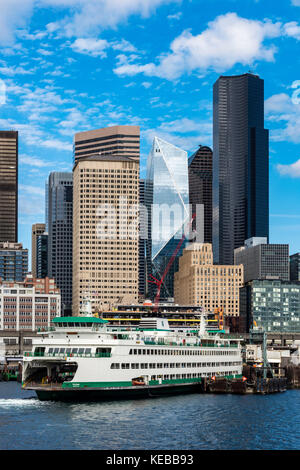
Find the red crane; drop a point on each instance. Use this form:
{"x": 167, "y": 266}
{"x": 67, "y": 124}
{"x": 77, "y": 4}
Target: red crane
{"x": 160, "y": 282}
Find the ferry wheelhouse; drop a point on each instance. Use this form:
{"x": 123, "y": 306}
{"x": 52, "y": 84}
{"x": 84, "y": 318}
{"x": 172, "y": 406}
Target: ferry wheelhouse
{"x": 86, "y": 358}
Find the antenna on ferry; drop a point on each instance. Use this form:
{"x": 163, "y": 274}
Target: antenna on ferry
{"x": 202, "y": 329}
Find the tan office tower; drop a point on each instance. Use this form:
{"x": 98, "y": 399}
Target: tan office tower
{"x": 37, "y": 229}
{"x": 200, "y": 282}
{"x": 115, "y": 140}
{"x": 105, "y": 231}
{"x": 9, "y": 186}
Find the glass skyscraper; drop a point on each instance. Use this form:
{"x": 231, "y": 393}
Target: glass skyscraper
{"x": 60, "y": 235}
{"x": 240, "y": 164}
{"x": 167, "y": 201}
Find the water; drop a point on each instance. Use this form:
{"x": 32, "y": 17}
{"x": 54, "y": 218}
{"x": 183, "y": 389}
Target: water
{"x": 186, "y": 422}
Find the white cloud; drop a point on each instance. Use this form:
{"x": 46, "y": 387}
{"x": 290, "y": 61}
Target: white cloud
{"x": 92, "y": 16}
{"x": 282, "y": 109}
{"x": 33, "y": 161}
{"x": 292, "y": 29}
{"x": 14, "y": 14}
{"x": 296, "y": 3}
{"x": 85, "y": 17}
{"x": 228, "y": 40}
{"x": 176, "y": 16}
{"x": 292, "y": 170}
{"x": 89, "y": 46}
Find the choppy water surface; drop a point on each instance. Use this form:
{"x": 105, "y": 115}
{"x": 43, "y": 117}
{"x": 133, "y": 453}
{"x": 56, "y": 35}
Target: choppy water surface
{"x": 187, "y": 422}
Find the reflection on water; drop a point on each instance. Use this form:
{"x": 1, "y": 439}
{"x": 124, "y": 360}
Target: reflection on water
{"x": 184, "y": 422}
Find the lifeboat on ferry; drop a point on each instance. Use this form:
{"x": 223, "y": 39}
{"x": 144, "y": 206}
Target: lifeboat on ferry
{"x": 138, "y": 381}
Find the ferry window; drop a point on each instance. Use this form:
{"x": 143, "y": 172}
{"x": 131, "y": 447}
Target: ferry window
{"x": 80, "y": 350}
{"x": 139, "y": 351}
{"x": 56, "y": 350}
{"x": 130, "y": 352}
{"x": 50, "y": 350}
{"x": 74, "y": 350}
{"x": 62, "y": 350}
{"x": 88, "y": 351}
{"x": 68, "y": 350}
{"x": 125, "y": 366}
{"x": 166, "y": 366}
{"x": 144, "y": 351}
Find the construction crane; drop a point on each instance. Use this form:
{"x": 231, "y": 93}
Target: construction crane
{"x": 158, "y": 282}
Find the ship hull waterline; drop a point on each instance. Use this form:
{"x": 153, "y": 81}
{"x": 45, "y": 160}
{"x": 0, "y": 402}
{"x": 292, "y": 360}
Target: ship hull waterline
{"x": 113, "y": 393}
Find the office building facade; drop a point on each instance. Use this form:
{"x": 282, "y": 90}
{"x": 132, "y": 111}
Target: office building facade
{"x": 42, "y": 256}
{"x": 263, "y": 260}
{"x": 28, "y": 305}
{"x": 240, "y": 164}
{"x": 167, "y": 201}
{"x": 200, "y": 282}
{"x": 13, "y": 262}
{"x": 60, "y": 235}
{"x": 273, "y": 305}
{"x": 115, "y": 140}
{"x": 9, "y": 186}
{"x": 105, "y": 231}
{"x": 200, "y": 186}
{"x": 37, "y": 229}
{"x": 295, "y": 267}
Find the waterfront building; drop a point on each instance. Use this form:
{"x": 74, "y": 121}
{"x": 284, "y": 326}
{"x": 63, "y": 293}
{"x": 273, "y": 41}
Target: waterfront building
{"x": 13, "y": 262}
{"x": 270, "y": 304}
{"x": 295, "y": 267}
{"x": 9, "y": 186}
{"x": 200, "y": 282}
{"x": 106, "y": 234}
{"x": 262, "y": 260}
{"x": 37, "y": 229}
{"x": 178, "y": 316}
{"x": 200, "y": 186}
{"x": 28, "y": 305}
{"x": 167, "y": 200}
{"x": 115, "y": 140}
{"x": 240, "y": 164}
{"x": 42, "y": 255}
{"x": 60, "y": 235}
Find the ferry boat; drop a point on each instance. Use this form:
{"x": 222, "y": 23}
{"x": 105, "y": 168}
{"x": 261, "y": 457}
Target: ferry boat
{"x": 86, "y": 358}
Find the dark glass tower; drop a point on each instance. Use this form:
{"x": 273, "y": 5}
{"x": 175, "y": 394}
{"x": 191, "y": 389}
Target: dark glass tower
{"x": 200, "y": 186}
{"x": 240, "y": 164}
{"x": 60, "y": 235}
{"x": 9, "y": 186}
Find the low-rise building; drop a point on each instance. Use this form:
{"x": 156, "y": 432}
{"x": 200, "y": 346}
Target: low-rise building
{"x": 200, "y": 282}
{"x": 273, "y": 305}
{"x": 13, "y": 261}
{"x": 28, "y": 305}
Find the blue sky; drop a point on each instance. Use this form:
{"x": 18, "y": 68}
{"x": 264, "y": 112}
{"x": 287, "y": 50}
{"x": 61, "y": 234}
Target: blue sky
{"x": 74, "y": 65}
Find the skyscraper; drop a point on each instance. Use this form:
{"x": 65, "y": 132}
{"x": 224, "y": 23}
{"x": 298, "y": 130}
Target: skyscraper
{"x": 167, "y": 200}
{"x": 200, "y": 186}
{"x": 115, "y": 140}
{"x": 37, "y": 229}
{"x": 106, "y": 235}
{"x": 9, "y": 186}
{"x": 142, "y": 242}
{"x": 60, "y": 235}
{"x": 42, "y": 256}
{"x": 240, "y": 164}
